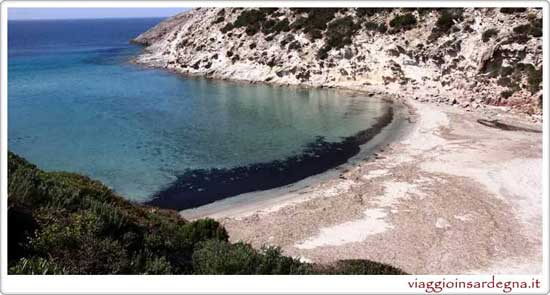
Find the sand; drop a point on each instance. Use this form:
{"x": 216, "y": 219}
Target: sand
{"x": 451, "y": 196}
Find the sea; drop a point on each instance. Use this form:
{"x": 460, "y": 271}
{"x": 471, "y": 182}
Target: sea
{"x": 77, "y": 103}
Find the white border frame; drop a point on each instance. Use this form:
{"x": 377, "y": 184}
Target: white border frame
{"x": 126, "y": 284}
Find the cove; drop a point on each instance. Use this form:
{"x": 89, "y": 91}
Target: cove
{"x": 76, "y": 103}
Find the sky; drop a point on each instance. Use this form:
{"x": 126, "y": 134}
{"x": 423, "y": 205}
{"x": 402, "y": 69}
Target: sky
{"x": 79, "y": 13}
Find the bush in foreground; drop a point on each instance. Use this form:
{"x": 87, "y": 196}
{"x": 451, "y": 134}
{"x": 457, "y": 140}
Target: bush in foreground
{"x": 65, "y": 223}
{"x": 219, "y": 257}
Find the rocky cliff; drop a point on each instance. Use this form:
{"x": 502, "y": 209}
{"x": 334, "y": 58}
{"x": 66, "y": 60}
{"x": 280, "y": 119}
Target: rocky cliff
{"x": 472, "y": 57}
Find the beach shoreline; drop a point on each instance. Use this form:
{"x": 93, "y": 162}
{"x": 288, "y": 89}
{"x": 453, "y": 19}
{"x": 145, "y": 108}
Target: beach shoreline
{"x": 457, "y": 191}
{"x": 251, "y": 202}
{"x": 198, "y": 187}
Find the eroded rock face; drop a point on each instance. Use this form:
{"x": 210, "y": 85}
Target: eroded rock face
{"x": 468, "y": 57}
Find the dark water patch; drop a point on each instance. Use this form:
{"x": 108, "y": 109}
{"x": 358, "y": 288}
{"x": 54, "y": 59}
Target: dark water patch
{"x": 110, "y": 56}
{"x": 199, "y": 187}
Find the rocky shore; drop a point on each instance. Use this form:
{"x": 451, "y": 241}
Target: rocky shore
{"x": 472, "y": 57}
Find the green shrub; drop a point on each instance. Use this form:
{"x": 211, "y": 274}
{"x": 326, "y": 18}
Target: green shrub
{"x": 295, "y": 45}
{"x": 315, "y": 21}
{"x": 315, "y": 34}
{"x": 218, "y": 20}
{"x": 24, "y": 183}
{"x": 267, "y": 26}
{"x": 157, "y": 266}
{"x": 249, "y": 17}
{"x": 252, "y": 29}
{"x": 36, "y": 266}
{"x": 82, "y": 227}
{"x": 504, "y": 81}
{"x": 488, "y": 34}
{"x": 423, "y": 11}
{"x": 534, "y": 28}
{"x": 270, "y": 260}
{"x": 228, "y": 27}
{"x": 368, "y": 12}
{"x": 372, "y": 26}
{"x": 534, "y": 79}
{"x": 522, "y": 29}
{"x": 204, "y": 229}
{"x": 360, "y": 267}
{"x": 287, "y": 39}
{"x": 517, "y": 38}
{"x": 447, "y": 18}
{"x": 511, "y": 10}
{"x": 256, "y": 20}
{"x": 272, "y": 26}
{"x": 340, "y": 32}
{"x": 299, "y": 23}
{"x": 403, "y": 22}
{"x": 281, "y": 26}
{"x": 218, "y": 257}
{"x": 322, "y": 53}
{"x": 445, "y": 21}
{"x": 269, "y": 10}
{"x": 506, "y": 94}
{"x": 506, "y": 71}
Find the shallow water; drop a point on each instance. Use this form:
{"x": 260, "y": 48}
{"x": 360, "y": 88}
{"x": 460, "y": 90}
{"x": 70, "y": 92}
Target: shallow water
{"x": 76, "y": 104}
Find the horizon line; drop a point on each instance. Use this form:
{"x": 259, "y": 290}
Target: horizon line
{"x": 86, "y": 18}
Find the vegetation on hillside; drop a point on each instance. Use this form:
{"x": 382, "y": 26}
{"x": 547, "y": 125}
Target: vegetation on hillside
{"x": 512, "y": 10}
{"x": 533, "y": 28}
{"x": 488, "y": 34}
{"x": 314, "y": 21}
{"x": 258, "y": 20}
{"x": 403, "y": 22}
{"x": 446, "y": 21}
{"x": 339, "y": 34}
{"x": 65, "y": 223}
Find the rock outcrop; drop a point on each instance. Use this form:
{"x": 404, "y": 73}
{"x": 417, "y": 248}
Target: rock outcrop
{"x": 471, "y": 57}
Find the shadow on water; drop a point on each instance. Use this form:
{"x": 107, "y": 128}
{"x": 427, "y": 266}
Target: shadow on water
{"x": 199, "y": 187}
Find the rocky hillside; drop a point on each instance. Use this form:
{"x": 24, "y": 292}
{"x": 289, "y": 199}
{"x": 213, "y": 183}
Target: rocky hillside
{"x": 470, "y": 57}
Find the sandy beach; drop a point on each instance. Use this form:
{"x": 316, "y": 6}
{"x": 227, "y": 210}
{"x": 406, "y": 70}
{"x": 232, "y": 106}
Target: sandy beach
{"x": 452, "y": 192}
{"x": 448, "y": 195}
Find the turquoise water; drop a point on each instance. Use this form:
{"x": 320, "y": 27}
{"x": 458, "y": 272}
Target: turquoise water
{"x": 75, "y": 103}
